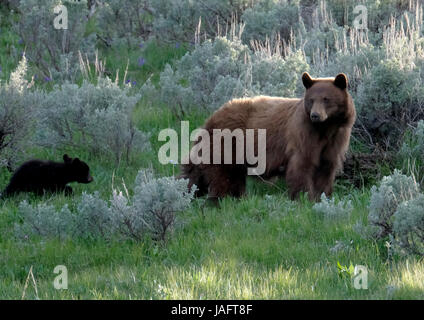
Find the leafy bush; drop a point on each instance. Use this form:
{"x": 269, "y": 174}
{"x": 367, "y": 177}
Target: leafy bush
{"x": 158, "y": 201}
{"x": 331, "y": 210}
{"x": 216, "y": 71}
{"x": 397, "y": 214}
{"x": 177, "y": 20}
{"x": 93, "y": 219}
{"x": 151, "y": 211}
{"x": 270, "y": 18}
{"x": 408, "y": 225}
{"x": 413, "y": 147}
{"x": 17, "y": 107}
{"x": 389, "y": 98}
{"x": 43, "y": 221}
{"x": 54, "y": 51}
{"x": 96, "y": 116}
{"x": 378, "y": 12}
{"x": 128, "y": 21}
{"x": 385, "y": 200}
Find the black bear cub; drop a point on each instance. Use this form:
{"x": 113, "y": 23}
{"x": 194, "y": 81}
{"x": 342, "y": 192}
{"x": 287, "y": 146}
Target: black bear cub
{"x": 40, "y": 176}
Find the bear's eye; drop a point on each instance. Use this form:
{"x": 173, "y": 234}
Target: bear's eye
{"x": 326, "y": 100}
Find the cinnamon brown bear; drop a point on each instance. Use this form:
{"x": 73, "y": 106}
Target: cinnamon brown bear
{"x": 41, "y": 176}
{"x": 306, "y": 139}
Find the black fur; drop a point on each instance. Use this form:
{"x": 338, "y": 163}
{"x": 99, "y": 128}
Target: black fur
{"x": 40, "y": 176}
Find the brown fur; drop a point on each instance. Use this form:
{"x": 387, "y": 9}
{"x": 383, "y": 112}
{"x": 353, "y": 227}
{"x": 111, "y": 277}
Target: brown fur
{"x": 308, "y": 154}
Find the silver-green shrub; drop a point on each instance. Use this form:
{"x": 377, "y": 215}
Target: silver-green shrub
{"x": 389, "y": 98}
{"x": 152, "y": 211}
{"x": 93, "y": 218}
{"x": 413, "y": 148}
{"x": 44, "y": 221}
{"x": 159, "y": 200}
{"x": 94, "y": 116}
{"x": 267, "y": 19}
{"x": 177, "y": 20}
{"x": 408, "y": 226}
{"x": 17, "y": 108}
{"x": 332, "y": 210}
{"x": 385, "y": 200}
{"x": 54, "y": 51}
{"x": 124, "y": 22}
{"x": 219, "y": 70}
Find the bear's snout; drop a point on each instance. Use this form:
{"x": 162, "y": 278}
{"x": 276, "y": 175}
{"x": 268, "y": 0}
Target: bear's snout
{"x": 315, "y": 117}
{"x": 86, "y": 180}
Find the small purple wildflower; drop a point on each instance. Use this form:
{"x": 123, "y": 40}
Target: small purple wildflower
{"x": 141, "y": 45}
{"x": 128, "y": 81}
{"x": 134, "y": 83}
{"x": 20, "y": 41}
{"x": 141, "y": 61}
{"x": 177, "y": 45}
{"x": 47, "y": 79}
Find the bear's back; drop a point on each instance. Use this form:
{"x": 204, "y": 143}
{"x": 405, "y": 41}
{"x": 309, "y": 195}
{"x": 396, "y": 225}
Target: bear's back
{"x": 256, "y": 112}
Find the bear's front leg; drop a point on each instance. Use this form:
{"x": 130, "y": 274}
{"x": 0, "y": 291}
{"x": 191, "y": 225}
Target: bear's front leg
{"x": 324, "y": 178}
{"x": 299, "y": 175}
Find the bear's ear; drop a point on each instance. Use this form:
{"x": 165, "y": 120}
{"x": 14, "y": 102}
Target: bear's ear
{"x": 307, "y": 80}
{"x": 340, "y": 81}
{"x": 66, "y": 158}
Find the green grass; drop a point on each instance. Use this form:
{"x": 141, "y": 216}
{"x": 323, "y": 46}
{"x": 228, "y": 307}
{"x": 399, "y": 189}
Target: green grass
{"x": 252, "y": 248}
{"x": 262, "y": 246}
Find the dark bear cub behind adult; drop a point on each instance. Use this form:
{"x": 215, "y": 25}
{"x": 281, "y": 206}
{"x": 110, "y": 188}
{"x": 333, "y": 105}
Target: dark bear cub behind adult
{"x": 40, "y": 176}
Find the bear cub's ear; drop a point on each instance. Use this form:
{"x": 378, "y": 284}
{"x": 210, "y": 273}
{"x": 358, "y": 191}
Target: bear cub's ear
{"x": 340, "y": 81}
{"x": 307, "y": 80}
{"x": 67, "y": 159}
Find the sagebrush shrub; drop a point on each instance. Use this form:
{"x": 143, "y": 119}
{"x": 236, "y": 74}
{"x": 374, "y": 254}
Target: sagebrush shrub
{"x": 17, "y": 108}
{"x": 389, "y": 98}
{"x": 93, "y": 219}
{"x": 158, "y": 201}
{"x": 332, "y": 210}
{"x": 151, "y": 212}
{"x": 267, "y": 19}
{"x": 378, "y": 12}
{"x": 408, "y": 225}
{"x": 413, "y": 148}
{"x": 396, "y": 214}
{"x": 94, "y": 116}
{"x": 177, "y": 20}
{"x": 43, "y": 221}
{"x": 124, "y": 22}
{"x": 219, "y": 70}
{"x": 54, "y": 51}
{"x": 385, "y": 200}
